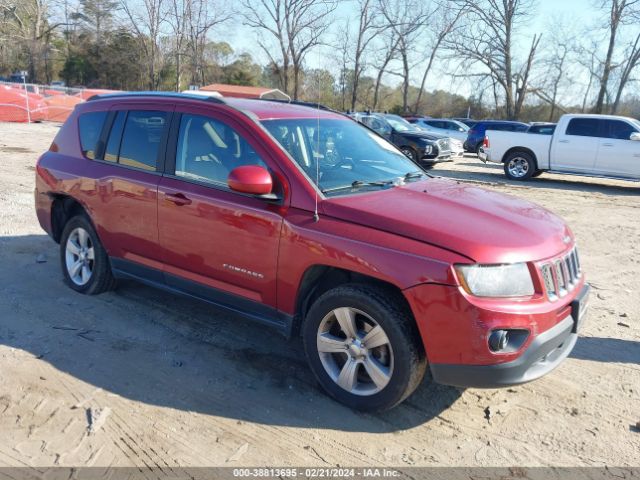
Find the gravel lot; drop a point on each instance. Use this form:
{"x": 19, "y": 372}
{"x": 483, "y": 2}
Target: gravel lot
{"x": 139, "y": 377}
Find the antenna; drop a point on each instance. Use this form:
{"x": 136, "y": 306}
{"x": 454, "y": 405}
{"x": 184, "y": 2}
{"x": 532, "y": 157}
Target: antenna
{"x": 316, "y": 217}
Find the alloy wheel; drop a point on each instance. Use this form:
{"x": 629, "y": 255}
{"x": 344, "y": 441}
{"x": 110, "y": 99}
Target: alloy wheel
{"x": 79, "y": 256}
{"x": 355, "y": 351}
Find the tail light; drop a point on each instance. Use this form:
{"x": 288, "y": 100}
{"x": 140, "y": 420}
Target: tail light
{"x": 53, "y": 147}
{"x": 485, "y": 142}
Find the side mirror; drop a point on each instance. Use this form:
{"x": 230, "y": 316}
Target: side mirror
{"x": 250, "y": 179}
{"x": 635, "y": 136}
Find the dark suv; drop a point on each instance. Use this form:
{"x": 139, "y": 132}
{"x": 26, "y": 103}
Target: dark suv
{"x": 417, "y": 144}
{"x": 475, "y": 136}
{"x": 307, "y": 222}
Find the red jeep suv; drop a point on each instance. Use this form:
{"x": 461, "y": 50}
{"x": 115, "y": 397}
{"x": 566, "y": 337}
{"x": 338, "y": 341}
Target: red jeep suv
{"x": 306, "y": 221}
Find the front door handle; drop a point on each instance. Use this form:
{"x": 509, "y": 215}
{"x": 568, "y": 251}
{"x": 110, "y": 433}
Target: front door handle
{"x": 607, "y": 144}
{"x": 178, "y": 198}
{"x": 563, "y": 141}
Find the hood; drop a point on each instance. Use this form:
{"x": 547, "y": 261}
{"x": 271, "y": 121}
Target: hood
{"x": 420, "y": 135}
{"x": 484, "y": 226}
{"x": 431, "y": 135}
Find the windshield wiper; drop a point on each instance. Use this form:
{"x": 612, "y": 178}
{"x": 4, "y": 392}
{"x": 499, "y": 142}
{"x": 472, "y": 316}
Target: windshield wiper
{"x": 356, "y": 185}
{"x": 416, "y": 174}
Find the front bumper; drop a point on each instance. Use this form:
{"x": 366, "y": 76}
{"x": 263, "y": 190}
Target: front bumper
{"x": 541, "y": 354}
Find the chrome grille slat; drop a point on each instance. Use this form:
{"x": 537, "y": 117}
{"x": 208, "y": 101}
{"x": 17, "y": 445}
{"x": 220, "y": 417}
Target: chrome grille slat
{"x": 561, "y": 275}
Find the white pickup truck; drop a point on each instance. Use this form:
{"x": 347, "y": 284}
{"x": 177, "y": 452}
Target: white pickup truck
{"x": 592, "y": 145}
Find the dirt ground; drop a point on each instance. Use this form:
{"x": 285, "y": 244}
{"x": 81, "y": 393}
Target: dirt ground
{"x": 139, "y": 377}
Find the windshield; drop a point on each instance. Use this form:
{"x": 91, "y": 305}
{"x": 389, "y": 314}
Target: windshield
{"x": 461, "y": 125}
{"x": 348, "y": 157}
{"x": 400, "y": 124}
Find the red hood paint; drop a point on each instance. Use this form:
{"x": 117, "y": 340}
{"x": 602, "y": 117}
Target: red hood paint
{"x": 485, "y": 226}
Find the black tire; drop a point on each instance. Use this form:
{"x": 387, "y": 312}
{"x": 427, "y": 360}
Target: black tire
{"x": 407, "y": 361}
{"x": 478, "y": 147}
{"x": 410, "y": 153}
{"x": 519, "y": 165}
{"x": 100, "y": 279}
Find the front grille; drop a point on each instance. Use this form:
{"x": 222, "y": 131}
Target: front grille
{"x": 443, "y": 145}
{"x": 561, "y": 275}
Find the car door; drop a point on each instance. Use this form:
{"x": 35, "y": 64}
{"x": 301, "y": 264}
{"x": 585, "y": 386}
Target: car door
{"x": 576, "y": 148}
{"x": 617, "y": 154}
{"x": 127, "y": 172}
{"x": 217, "y": 244}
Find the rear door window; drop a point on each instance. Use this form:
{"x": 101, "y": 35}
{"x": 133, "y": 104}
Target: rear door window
{"x": 141, "y": 136}
{"x": 90, "y": 126}
{"x": 584, "y": 127}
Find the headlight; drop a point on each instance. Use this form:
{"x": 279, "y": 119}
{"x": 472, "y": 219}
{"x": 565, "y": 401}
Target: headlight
{"x": 511, "y": 280}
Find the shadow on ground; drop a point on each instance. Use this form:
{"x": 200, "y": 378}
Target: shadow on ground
{"x": 150, "y": 346}
{"x": 493, "y": 173}
{"x": 610, "y": 350}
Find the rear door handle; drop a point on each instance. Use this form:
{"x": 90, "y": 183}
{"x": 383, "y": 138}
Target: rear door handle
{"x": 563, "y": 141}
{"x": 178, "y": 198}
{"x": 607, "y": 144}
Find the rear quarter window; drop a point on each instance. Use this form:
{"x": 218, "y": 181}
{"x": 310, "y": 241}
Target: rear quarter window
{"x": 90, "y": 127}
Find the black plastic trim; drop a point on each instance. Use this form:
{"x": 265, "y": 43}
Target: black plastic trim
{"x": 256, "y": 311}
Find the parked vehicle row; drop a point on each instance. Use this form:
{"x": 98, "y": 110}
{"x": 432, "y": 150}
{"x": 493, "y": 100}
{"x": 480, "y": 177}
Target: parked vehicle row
{"x": 599, "y": 145}
{"x": 419, "y": 145}
{"x": 308, "y": 222}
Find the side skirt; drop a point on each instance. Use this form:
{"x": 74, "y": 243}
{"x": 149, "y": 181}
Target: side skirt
{"x": 269, "y": 316}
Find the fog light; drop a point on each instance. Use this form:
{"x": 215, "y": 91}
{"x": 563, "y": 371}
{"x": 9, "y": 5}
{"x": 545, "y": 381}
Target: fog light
{"x": 498, "y": 340}
{"x": 506, "y": 341}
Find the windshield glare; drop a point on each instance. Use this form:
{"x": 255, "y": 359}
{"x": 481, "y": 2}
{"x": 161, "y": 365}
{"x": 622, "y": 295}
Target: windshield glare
{"x": 400, "y": 124}
{"x": 344, "y": 153}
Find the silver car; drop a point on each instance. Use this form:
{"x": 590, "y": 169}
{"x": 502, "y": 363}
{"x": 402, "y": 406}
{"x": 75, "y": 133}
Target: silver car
{"x": 443, "y": 126}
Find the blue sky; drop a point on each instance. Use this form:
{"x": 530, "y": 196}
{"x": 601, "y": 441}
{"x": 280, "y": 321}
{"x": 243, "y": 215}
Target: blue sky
{"x": 573, "y": 12}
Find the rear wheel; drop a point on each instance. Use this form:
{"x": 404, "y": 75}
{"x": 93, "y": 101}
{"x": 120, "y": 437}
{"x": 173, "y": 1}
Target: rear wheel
{"x": 519, "y": 166}
{"x": 85, "y": 263}
{"x": 363, "y": 347}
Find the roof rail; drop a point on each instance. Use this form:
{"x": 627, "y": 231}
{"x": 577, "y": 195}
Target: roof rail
{"x": 297, "y": 102}
{"x": 211, "y": 99}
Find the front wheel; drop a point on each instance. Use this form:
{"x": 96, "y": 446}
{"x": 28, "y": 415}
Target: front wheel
{"x": 519, "y": 166}
{"x": 363, "y": 347}
{"x": 410, "y": 153}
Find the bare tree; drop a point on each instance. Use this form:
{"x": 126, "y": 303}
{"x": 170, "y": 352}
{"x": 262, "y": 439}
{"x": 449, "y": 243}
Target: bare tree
{"x": 408, "y": 20}
{"x": 487, "y": 39}
{"x": 556, "y": 62}
{"x": 201, "y": 17}
{"x": 368, "y": 30}
{"x": 146, "y": 21}
{"x": 388, "y": 52}
{"x": 177, "y": 19}
{"x": 632, "y": 57}
{"x": 444, "y": 19}
{"x": 296, "y": 25}
{"x": 620, "y": 11}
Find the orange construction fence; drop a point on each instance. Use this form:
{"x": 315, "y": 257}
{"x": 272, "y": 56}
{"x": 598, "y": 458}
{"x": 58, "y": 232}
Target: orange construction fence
{"x": 35, "y": 103}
